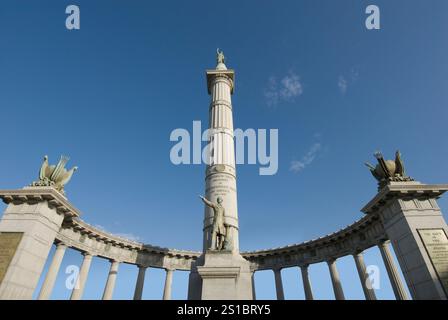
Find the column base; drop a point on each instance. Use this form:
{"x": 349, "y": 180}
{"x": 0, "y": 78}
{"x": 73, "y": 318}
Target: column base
{"x": 220, "y": 275}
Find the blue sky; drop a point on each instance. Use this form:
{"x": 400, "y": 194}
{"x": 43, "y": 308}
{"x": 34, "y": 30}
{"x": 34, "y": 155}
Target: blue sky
{"x": 109, "y": 95}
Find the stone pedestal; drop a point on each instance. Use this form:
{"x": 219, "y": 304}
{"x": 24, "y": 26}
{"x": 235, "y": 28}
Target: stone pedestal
{"x": 27, "y": 232}
{"x": 418, "y": 232}
{"x": 220, "y": 275}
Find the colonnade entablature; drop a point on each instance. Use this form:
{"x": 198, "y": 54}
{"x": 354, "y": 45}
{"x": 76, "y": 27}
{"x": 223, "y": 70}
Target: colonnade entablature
{"x": 357, "y": 237}
{"x": 84, "y": 237}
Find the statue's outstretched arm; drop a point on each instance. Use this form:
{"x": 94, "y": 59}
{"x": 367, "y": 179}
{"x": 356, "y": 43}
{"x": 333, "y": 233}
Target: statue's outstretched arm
{"x": 207, "y": 202}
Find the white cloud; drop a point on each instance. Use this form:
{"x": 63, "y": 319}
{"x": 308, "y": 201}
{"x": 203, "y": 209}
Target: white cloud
{"x": 296, "y": 166}
{"x": 100, "y": 227}
{"x": 345, "y": 80}
{"x": 354, "y": 73}
{"x": 342, "y": 84}
{"x": 128, "y": 236}
{"x": 291, "y": 86}
{"x": 271, "y": 92}
{"x": 288, "y": 88}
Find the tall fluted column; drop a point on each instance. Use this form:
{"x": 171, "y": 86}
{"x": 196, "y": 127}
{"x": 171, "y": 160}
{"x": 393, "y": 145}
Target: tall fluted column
{"x": 220, "y": 273}
{"x": 168, "y": 283}
{"x": 254, "y": 296}
{"x": 306, "y": 283}
{"x": 50, "y": 278}
{"x": 369, "y": 293}
{"x": 335, "y": 280}
{"x": 394, "y": 277}
{"x": 140, "y": 282}
{"x": 111, "y": 278}
{"x": 279, "y": 284}
{"x": 78, "y": 290}
{"x": 220, "y": 176}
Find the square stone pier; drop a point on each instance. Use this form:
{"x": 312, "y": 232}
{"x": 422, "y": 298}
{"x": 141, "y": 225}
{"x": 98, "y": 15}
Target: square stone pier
{"x": 220, "y": 275}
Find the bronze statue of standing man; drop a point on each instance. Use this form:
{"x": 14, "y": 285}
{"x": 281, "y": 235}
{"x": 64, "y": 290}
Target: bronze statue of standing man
{"x": 219, "y": 228}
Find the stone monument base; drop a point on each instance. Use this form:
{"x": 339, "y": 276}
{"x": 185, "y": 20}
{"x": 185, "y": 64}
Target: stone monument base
{"x": 220, "y": 275}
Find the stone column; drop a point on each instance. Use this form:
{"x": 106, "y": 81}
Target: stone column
{"x": 254, "y": 296}
{"x": 111, "y": 278}
{"x": 337, "y": 287}
{"x": 50, "y": 278}
{"x": 78, "y": 290}
{"x": 140, "y": 282}
{"x": 220, "y": 175}
{"x": 279, "y": 284}
{"x": 168, "y": 282}
{"x": 394, "y": 277}
{"x": 220, "y": 274}
{"x": 306, "y": 283}
{"x": 369, "y": 293}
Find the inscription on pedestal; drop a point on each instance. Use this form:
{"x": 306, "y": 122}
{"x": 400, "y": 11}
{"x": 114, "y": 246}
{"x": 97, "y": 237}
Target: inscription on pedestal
{"x": 9, "y": 241}
{"x": 436, "y": 245}
{"x": 220, "y": 184}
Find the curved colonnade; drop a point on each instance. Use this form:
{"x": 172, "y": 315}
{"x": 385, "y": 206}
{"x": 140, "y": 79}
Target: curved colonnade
{"x": 76, "y": 234}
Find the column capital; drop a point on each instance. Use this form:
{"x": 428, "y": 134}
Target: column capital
{"x": 170, "y": 269}
{"x": 357, "y": 253}
{"x": 277, "y": 269}
{"x": 331, "y": 260}
{"x": 114, "y": 261}
{"x": 61, "y": 244}
{"x": 383, "y": 242}
{"x": 303, "y": 265}
{"x": 87, "y": 255}
{"x": 140, "y": 266}
{"x": 213, "y": 75}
